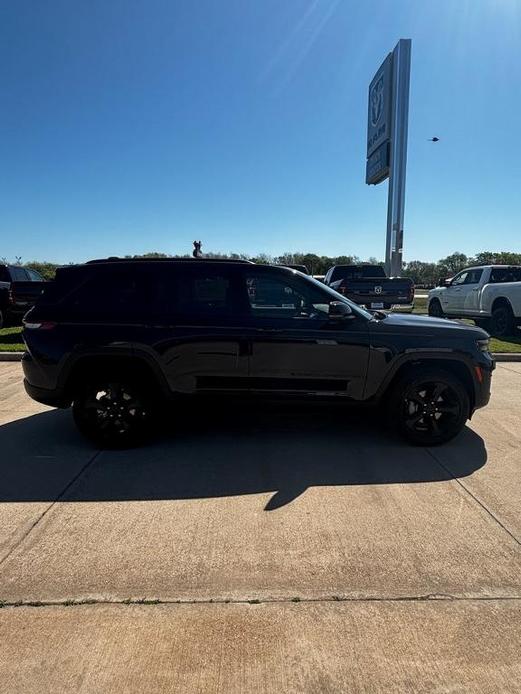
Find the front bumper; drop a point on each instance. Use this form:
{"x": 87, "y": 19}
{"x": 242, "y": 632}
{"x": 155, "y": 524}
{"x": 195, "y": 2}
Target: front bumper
{"x": 483, "y": 384}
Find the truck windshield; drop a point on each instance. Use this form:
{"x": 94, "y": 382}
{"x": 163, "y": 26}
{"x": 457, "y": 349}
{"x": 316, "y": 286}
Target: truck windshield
{"x": 358, "y": 272}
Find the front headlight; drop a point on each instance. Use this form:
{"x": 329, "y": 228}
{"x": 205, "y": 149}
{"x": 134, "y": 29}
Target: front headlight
{"x": 484, "y": 345}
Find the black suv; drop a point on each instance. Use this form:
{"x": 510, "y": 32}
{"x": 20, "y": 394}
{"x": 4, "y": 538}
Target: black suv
{"x": 114, "y": 338}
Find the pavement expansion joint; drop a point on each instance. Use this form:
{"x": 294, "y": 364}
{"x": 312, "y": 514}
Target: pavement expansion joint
{"x": 429, "y": 597}
{"x": 49, "y": 507}
{"x": 474, "y": 497}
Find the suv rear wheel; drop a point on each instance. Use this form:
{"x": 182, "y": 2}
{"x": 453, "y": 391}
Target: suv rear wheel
{"x": 114, "y": 412}
{"x": 429, "y": 407}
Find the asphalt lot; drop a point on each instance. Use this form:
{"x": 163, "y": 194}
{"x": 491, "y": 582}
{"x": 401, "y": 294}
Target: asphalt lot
{"x": 260, "y": 550}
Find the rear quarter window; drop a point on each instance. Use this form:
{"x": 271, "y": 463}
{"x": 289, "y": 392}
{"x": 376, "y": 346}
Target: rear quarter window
{"x": 111, "y": 294}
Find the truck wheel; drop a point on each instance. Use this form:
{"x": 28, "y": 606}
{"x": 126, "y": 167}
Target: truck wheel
{"x": 483, "y": 323}
{"x": 502, "y": 322}
{"x": 114, "y": 412}
{"x": 435, "y": 309}
{"x": 428, "y": 407}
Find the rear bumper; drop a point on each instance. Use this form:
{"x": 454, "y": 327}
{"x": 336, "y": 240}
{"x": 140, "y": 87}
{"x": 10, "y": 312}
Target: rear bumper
{"x": 53, "y": 398}
{"x": 387, "y": 301}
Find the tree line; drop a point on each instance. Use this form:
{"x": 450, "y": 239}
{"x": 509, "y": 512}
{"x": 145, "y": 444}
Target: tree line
{"x": 422, "y": 273}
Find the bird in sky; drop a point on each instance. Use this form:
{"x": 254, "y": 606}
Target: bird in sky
{"x": 434, "y": 139}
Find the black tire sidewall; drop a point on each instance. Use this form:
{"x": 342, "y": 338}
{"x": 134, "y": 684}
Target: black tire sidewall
{"x": 505, "y": 313}
{"x": 438, "y": 313}
{"x": 397, "y": 396}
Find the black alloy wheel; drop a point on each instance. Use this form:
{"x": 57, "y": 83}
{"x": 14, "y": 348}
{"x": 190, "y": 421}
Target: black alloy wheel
{"x": 114, "y": 414}
{"x": 430, "y": 409}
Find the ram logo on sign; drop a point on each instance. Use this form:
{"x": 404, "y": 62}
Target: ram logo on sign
{"x": 379, "y": 112}
{"x": 376, "y": 100}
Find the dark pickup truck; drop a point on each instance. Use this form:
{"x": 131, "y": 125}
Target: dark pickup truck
{"x": 19, "y": 289}
{"x": 368, "y": 285}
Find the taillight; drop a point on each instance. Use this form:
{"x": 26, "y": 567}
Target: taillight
{"x": 11, "y": 296}
{"x": 411, "y": 294}
{"x": 44, "y": 325}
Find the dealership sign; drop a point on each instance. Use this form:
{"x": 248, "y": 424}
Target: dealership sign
{"x": 386, "y": 157}
{"x": 377, "y": 166}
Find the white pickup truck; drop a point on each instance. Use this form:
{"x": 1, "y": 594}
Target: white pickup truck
{"x": 489, "y": 294}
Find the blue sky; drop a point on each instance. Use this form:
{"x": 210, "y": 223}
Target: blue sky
{"x": 130, "y": 126}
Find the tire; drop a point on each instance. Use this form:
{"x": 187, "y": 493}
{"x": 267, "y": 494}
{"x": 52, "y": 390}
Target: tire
{"x": 435, "y": 310}
{"x": 115, "y": 412}
{"x": 483, "y": 323}
{"x": 502, "y": 322}
{"x": 429, "y": 406}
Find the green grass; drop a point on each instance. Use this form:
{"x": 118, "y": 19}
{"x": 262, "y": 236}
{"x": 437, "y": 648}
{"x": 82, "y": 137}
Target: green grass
{"x": 510, "y": 344}
{"x": 11, "y": 340}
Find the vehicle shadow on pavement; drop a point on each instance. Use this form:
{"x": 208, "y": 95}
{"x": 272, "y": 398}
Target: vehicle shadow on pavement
{"x": 216, "y": 452}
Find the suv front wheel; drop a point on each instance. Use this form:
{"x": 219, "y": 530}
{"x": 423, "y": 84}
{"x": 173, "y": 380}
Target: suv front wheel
{"x": 114, "y": 412}
{"x": 429, "y": 407}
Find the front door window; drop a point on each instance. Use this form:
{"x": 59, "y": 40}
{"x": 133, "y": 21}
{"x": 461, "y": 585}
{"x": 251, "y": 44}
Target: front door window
{"x": 276, "y": 298}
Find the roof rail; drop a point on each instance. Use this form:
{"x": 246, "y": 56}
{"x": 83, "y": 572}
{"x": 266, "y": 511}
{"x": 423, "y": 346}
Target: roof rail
{"x": 115, "y": 259}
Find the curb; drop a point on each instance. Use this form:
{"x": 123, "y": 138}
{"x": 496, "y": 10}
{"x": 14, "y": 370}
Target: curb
{"x": 507, "y": 356}
{"x": 498, "y": 356}
{"x": 11, "y": 356}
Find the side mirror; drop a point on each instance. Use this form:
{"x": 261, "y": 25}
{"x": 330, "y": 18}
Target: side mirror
{"x": 338, "y": 310}
{"x": 446, "y": 282}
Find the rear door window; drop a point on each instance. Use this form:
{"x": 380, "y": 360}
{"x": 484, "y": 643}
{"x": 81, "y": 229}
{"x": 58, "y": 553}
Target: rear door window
{"x": 505, "y": 274}
{"x": 204, "y": 293}
{"x": 195, "y": 294}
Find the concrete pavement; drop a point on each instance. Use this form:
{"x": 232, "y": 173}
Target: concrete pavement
{"x": 302, "y": 551}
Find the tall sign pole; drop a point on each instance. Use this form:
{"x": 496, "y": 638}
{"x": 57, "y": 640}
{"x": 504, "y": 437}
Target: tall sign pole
{"x": 387, "y": 143}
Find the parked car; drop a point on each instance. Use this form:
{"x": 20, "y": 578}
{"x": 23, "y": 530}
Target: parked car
{"x": 19, "y": 288}
{"x": 368, "y": 285}
{"x": 489, "y": 294}
{"x": 115, "y": 339}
